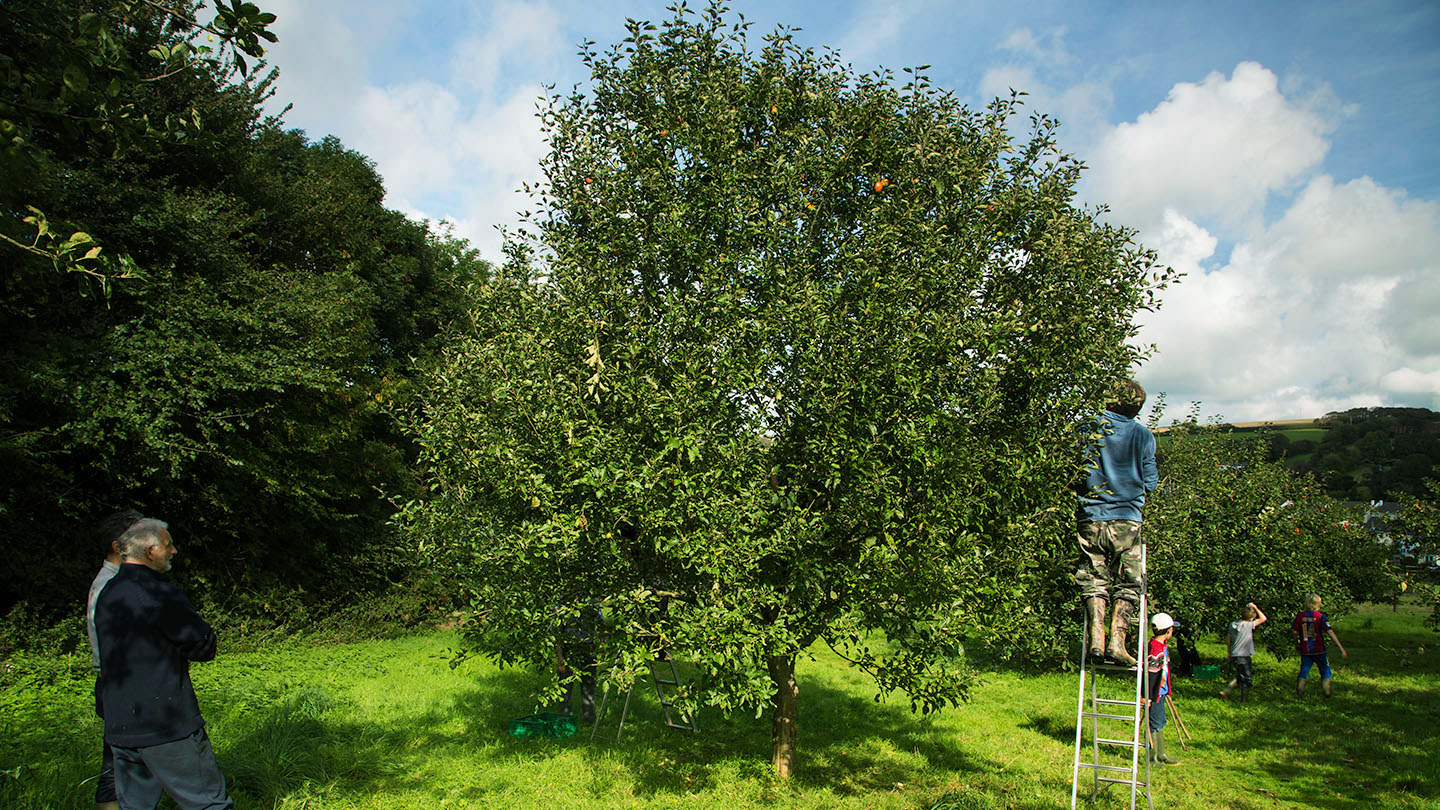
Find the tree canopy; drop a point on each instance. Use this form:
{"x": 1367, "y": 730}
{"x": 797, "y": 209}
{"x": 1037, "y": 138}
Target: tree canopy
{"x": 785, "y": 353}
{"x": 238, "y": 380}
{"x": 95, "y": 79}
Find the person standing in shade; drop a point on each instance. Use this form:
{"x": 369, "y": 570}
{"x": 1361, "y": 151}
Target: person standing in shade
{"x": 148, "y": 634}
{"x": 1242, "y": 650}
{"x": 1309, "y": 629}
{"x": 110, "y": 530}
{"x": 1120, "y": 472}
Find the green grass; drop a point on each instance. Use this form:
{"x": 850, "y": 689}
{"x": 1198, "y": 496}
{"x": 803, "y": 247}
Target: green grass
{"x": 388, "y": 724}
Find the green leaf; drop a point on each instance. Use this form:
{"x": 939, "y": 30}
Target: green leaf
{"x": 76, "y": 78}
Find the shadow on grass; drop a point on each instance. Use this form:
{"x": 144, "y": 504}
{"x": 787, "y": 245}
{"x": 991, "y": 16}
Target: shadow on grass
{"x": 1376, "y": 736}
{"x": 307, "y": 743}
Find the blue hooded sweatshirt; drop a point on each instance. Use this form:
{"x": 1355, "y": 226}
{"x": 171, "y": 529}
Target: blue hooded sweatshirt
{"x": 1122, "y": 469}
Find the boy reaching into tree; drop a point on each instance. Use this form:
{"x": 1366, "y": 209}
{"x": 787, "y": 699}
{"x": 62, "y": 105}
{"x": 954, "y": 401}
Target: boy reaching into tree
{"x": 1309, "y": 628}
{"x": 1242, "y": 648}
{"x": 1120, "y": 471}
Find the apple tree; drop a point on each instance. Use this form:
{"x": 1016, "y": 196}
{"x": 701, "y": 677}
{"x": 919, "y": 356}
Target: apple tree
{"x": 1230, "y": 526}
{"x": 784, "y": 354}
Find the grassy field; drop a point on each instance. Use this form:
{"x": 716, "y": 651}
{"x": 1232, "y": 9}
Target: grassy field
{"x": 390, "y": 725}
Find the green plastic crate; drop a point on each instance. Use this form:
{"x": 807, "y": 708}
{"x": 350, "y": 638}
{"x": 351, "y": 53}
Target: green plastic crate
{"x": 546, "y": 724}
{"x": 1207, "y": 672}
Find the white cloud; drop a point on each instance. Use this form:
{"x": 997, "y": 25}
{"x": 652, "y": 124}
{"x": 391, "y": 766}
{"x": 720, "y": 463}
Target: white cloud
{"x": 1331, "y": 307}
{"x": 517, "y": 36}
{"x": 1409, "y": 380}
{"x": 453, "y": 146}
{"x": 1215, "y": 150}
{"x": 1048, "y": 48}
{"x": 323, "y": 54}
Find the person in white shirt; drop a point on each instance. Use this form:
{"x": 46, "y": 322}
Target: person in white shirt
{"x": 109, "y": 532}
{"x": 1242, "y": 647}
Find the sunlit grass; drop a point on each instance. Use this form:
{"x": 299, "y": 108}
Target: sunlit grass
{"x": 388, "y": 724}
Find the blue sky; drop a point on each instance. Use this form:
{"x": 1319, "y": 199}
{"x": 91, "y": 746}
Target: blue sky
{"x": 1280, "y": 153}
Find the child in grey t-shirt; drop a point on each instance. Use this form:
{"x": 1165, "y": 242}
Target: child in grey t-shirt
{"x": 1242, "y": 647}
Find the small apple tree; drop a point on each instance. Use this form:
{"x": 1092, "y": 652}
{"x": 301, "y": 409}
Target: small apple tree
{"x": 1230, "y": 526}
{"x": 785, "y": 354}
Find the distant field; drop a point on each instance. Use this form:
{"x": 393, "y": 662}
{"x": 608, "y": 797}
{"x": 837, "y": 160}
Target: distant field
{"x": 1300, "y": 434}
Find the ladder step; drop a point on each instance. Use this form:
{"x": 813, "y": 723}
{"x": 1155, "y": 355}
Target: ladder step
{"x": 1109, "y": 702}
{"x": 665, "y": 682}
{"x": 1126, "y": 743}
{"x": 1138, "y": 782}
{"x": 1106, "y": 768}
{"x": 1108, "y": 716}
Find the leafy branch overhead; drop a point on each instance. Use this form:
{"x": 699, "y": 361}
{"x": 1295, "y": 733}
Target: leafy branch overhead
{"x": 89, "y": 84}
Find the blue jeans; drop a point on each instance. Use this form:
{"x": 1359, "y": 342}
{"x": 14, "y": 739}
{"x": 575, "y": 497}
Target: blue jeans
{"x": 1157, "y": 715}
{"x": 186, "y": 769}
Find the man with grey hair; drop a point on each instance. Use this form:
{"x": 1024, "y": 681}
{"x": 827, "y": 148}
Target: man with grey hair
{"x": 148, "y": 634}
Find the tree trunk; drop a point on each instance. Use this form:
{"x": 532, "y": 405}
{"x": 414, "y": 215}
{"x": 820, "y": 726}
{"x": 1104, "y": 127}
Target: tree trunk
{"x": 784, "y": 721}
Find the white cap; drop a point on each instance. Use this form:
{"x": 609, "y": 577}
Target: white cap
{"x": 1161, "y": 621}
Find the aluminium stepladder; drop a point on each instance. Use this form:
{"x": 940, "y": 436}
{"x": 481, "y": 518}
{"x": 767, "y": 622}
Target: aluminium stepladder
{"x": 1115, "y": 712}
{"x": 666, "y": 704}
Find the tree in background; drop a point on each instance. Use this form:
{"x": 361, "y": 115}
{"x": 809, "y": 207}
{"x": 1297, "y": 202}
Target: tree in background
{"x": 787, "y": 354}
{"x": 238, "y": 382}
{"x": 1374, "y": 453}
{"x": 1415, "y": 527}
{"x": 1229, "y": 525}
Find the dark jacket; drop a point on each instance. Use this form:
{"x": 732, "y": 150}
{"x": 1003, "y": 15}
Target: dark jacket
{"x": 148, "y": 635}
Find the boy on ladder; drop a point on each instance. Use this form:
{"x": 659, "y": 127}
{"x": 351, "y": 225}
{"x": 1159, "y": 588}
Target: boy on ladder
{"x": 1120, "y": 462}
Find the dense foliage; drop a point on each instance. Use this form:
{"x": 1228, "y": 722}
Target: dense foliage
{"x": 786, "y": 354}
{"x": 88, "y": 81}
{"x": 1414, "y": 528}
{"x": 1230, "y": 526}
{"x": 1370, "y": 453}
{"x": 236, "y": 381}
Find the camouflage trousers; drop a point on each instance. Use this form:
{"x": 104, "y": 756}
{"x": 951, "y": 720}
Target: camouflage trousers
{"x": 1110, "y": 563}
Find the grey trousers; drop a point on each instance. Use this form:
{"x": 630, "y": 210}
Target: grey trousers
{"x": 186, "y": 769}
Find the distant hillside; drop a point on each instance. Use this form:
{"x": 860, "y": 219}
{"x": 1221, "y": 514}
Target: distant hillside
{"x": 1361, "y": 454}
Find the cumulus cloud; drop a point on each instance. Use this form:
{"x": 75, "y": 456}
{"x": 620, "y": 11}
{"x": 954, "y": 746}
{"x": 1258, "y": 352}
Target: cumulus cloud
{"x": 455, "y": 145}
{"x": 1326, "y": 306}
{"x": 1215, "y": 150}
{"x": 1041, "y": 66}
{"x": 1330, "y": 307}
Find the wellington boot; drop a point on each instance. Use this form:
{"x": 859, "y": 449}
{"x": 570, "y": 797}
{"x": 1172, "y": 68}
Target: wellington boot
{"x": 1119, "y": 625}
{"x": 1095, "y": 641}
{"x": 1159, "y": 755}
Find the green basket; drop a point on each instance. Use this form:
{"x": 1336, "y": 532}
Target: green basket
{"x": 546, "y": 724}
{"x": 1207, "y": 672}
